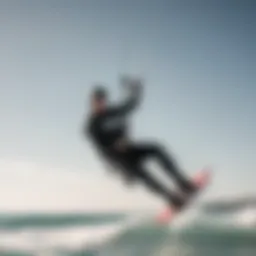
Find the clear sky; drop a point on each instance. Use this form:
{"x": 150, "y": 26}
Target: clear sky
{"x": 197, "y": 59}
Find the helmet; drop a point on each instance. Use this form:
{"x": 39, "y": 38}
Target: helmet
{"x": 99, "y": 92}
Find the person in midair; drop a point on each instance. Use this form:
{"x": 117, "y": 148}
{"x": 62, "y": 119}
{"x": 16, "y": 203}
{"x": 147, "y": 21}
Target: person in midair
{"x": 107, "y": 129}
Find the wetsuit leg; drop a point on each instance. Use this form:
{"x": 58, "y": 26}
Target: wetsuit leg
{"x": 146, "y": 150}
{"x": 153, "y": 185}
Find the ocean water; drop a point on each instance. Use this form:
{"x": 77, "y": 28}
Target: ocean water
{"x": 193, "y": 233}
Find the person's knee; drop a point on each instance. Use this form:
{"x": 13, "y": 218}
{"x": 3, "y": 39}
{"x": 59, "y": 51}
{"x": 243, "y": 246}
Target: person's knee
{"x": 158, "y": 149}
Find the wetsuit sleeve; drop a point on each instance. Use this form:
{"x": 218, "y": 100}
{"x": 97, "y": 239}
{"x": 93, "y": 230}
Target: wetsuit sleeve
{"x": 129, "y": 104}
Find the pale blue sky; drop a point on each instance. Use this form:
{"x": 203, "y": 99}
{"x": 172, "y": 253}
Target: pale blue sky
{"x": 198, "y": 61}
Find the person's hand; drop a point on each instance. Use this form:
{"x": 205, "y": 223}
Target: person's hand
{"x": 131, "y": 83}
{"x": 125, "y": 80}
{"x": 136, "y": 84}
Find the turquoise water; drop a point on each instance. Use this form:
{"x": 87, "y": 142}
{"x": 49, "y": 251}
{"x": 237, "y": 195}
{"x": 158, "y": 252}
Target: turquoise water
{"x": 115, "y": 234}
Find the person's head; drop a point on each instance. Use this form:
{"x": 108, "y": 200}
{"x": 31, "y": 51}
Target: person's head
{"x": 99, "y": 98}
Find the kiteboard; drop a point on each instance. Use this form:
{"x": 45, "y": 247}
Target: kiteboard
{"x": 201, "y": 179}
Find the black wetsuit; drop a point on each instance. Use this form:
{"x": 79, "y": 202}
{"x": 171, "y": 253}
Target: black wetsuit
{"x": 106, "y": 129}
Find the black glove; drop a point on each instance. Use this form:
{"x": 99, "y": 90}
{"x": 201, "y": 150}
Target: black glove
{"x": 133, "y": 85}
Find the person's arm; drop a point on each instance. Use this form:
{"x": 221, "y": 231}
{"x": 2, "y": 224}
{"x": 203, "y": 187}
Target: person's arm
{"x": 131, "y": 103}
